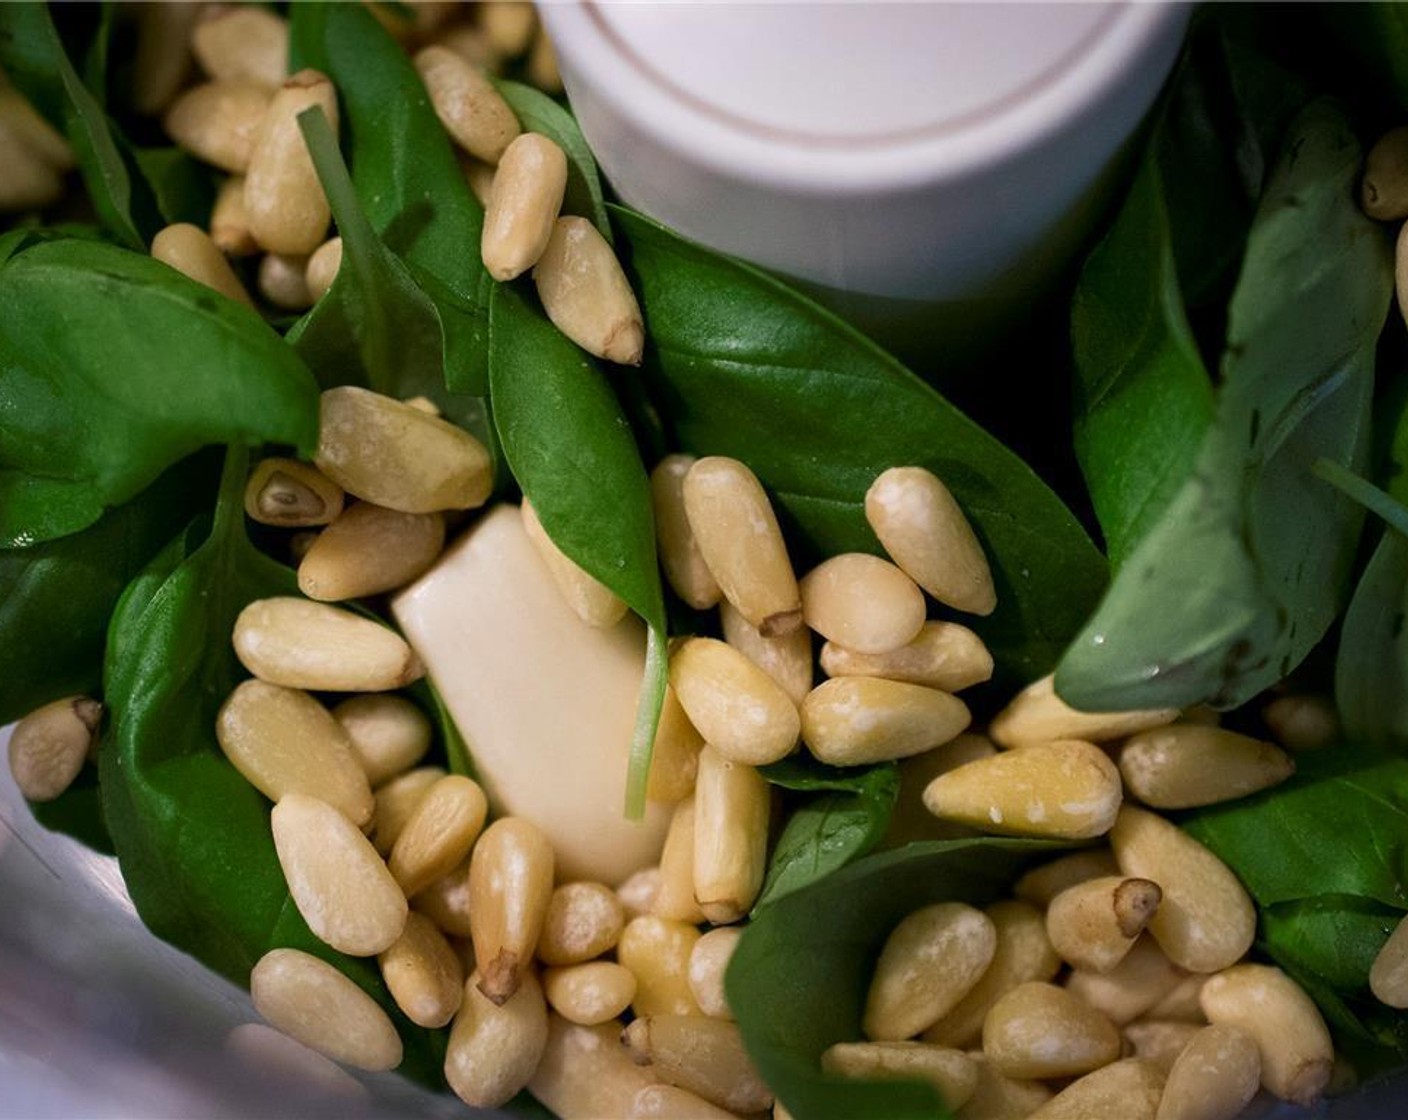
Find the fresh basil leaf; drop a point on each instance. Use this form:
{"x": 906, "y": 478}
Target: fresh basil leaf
{"x": 184, "y": 187}
{"x": 1371, "y": 667}
{"x": 537, "y": 112}
{"x": 845, "y": 819}
{"x": 1377, "y": 34}
{"x": 78, "y": 812}
{"x": 739, "y": 364}
{"x": 192, "y": 836}
{"x": 798, "y": 980}
{"x": 114, "y": 366}
{"x": 1245, "y": 570}
{"x": 572, "y": 452}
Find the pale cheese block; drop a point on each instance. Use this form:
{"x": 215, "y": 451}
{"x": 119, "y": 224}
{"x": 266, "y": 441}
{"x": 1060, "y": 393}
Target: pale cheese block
{"x": 546, "y": 703}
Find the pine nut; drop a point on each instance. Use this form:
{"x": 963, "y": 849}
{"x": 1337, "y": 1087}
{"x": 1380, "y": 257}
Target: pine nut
{"x": 217, "y": 122}
{"x": 1139, "y": 982}
{"x": 439, "y": 834}
{"x": 583, "y": 920}
{"x": 1092, "y": 925}
{"x": 787, "y": 658}
{"x": 586, "y": 294}
{"x": 423, "y": 973}
{"x": 1206, "y": 921}
{"x": 590, "y": 993}
{"x": 284, "y": 742}
{"x": 1038, "y": 715}
{"x": 272, "y": 1054}
{"x": 290, "y": 494}
{"x": 528, "y": 190}
{"x": 708, "y": 963}
{"x": 29, "y": 183}
{"x": 396, "y": 801}
{"x": 423, "y": 404}
{"x": 863, "y": 603}
{"x": 930, "y": 961}
{"x": 338, "y": 882}
{"x": 397, "y": 456}
{"x": 288, "y": 212}
{"x": 1303, "y": 723}
{"x": 924, "y": 531}
{"x": 318, "y": 1006}
{"x": 666, "y": 1102}
{"x": 1039, "y": 1030}
{"x": 1388, "y": 976}
{"x": 705, "y": 1056}
{"x": 301, "y": 644}
{"x": 1182, "y": 1003}
{"x": 851, "y": 721}
{"x": 1265, "y": 1003}
{"x": 163, "y": 55}
{"x": 446, "y": 902}
{"x": 1159, "y": 1042}
{"x": 639, "y": 892}
{"x": 369, "y": 550}
{"x": 585, "y": 1073}
{"x": 1068, "y": 790}
{"x": 495, "y": 1045}
{"x": 34, "y": 132}
{"x": 471, "y": 43}
{"x": 684, "y": 564}
{"x": 300, "y": 543}
{"x": 951, "y": 1072}
{"x": 1127, "y": 1090}
{"x": 910, "y": 821}
{"x": 541, "y": 67}
{"x": 509, "y": 25}
{"x": 944, "y": 655}
{"x": 282, "y": 283}
{"x": 1022, "y": 953}
{"x": 477, "y": 118}
{"x": 480, "y": 177}
{"x": 1214, "y": 1077}
{"x": 510, "y": 885}
{"x": 1184, "y": 765}
{"x": 999, "y": 1097}
{"x": 739, "y": 710}
{"x": 590, "y": 599}
{"x": 731, "y": 806}
{"x": 1043, "y": 883}
{"x": 49, "y": 746}
{"x": 1383, "y": 193}
{"x": 240, "y": 42}
{"x": 229, "y": 220}
{"x": 657, "y": 952}
{"x": 675, "y": 760}
{"x": 389, "y": 734}
{"x": 190, "y": 251}
{"x": 1202, "y": 715}
{"x": 322, "y": 268}
{"x": 675, "y": 901}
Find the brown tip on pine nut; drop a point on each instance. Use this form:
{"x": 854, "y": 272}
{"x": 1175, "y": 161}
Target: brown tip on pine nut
{"x": 242, "y": 42}
{"x": 49, "y": 746}
{"x": 1383, "y": 194}
{"x": 190, "y": 251}
{"x": 1213, "y": 1077}
{"x": 586, "y": 294}
{"x": 684, "y": 564}
{"x": 1038, "y": 715}
{"x": 1128, "y": 1089}
{"x": 423, "y": 973}
{"x": 1185, "y": 765}
{"x": 863, "y": 603}
{"x": 510, "y": 885}
{"x": 495, "y": 1045}
{"x": 217, "y": 122}
{"x": 737, "y": 707}
{"x": 732, "y": 803}
{"x": 590, "y": 599}
{"x": 527, "y": 196}
{"x": 705, "y": 1056}
{"x": 851, "y": 721}
{"x": 297, "y": 643}
{"x": 1306, "y": 722}
{"x": 787, "y": 659}
{"x": 1388, "y": 977}
{"x": 291, "y": 494}
{"x": 1093, "y": 924}
{"x": 370, "y": 550}
{"x": 951, "y": 1072}
{"x": 473, "y": 112}
{"x": 1038, "y": 1030}
{"x": 583, "y": 920}
{"x": 283, "y": 197}
{"x": 657, "y": 952}
{"x": 322, "y": 267}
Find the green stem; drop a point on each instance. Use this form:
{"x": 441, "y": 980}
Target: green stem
{"x": 1364, "y": 492}
{"x": 652, "y": 699}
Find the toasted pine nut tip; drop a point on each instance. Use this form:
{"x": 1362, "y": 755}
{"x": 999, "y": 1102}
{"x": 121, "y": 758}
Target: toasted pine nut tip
{"x": 24, "y": 121}
{"x": 300, "y": 644}
{"x": 583, "y": 921}
{"x": 1129, "y": 1089}
{"x": 863, "y": 603}
{"x": 925, "y": 532}
{"x": 676, "y": 900}
{"x": 1158, "y": 1041}
{"x": 1383, "y": 193}
{"x": 944, "y": 655}
{"x": 49, "y": 746}
{"x": 509, "y": 24}
{"x": 370, "y": 550}
{"x": 590, "y": 599}
{"x": 639, "y": 892}
{"x": 732, "y": 803}
{"x": 705, "y": 1056}
{"x": 282, "y": 282}
{"x": 851, "y": 721}
{"x": 1038, "y": 715}
{"x": 163, "y": 56}
{"x": 1184, "y": 765}
{"x": 739, "y": 710}
{"x": 1065, "y": 790}
{"x": 1213, "y": 1077}
{"x": 930, "y": 961}
{"x": 591, "y": 992}
{"x": 680, "y": 557}
{"x": 674, "y": 762}
{"x": 423, "y": 973}
{"x": 997, "y": 1095}
{"x": 1038, "y": 1030}
{"x": 394, "y": 455}
{"x": 322, "y": 268}
{"x": 541, "y": 68}
{"x": 1265, "y": 1003}
{"x": 291, "y": 494}
{"x": 396, "y": 801}
{"x": 495, "y": 1045}
{"x": 1303, "y": 723}
{"x": 1206, "y": 920}
{"x": 1093, "y": 924}
{"x": 527, "y": 196}
{"x": 1043, "y": 883}
{"x": 190, "y": 251}
{"x": 284, "y": 742}
{"x": 1141, "y": 980}
{"x": 657, "y": 952}
{"x": 708, "y": 963}
{"x": 229, "y": 221}
{"x": 586, "y": 294}
{"x": 283, "y": 197}
{"x": 737, "y": 533}
{"x": 585, "y": 1073}
{"x": 336, "y": 879}
{"x": 29, "y": 183}
{"x": 951, "y": 1072}
{"x": 1388, "y": 977}
{"x": 786, "y": 658}
{"x": 240, "y": 42}
{"x": 316, "y": 1004}
{"x": 510, "y": 886}
{"x": 440, "y": 833}
{"x": 668, "y": 1102}
{"x": 389, "y": 734}
{"x": 473, "y": 112}
{"x": 218, "y": 121}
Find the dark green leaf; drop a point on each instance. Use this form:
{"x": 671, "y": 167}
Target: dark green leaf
{"x": 184, "y": 187}
{"x": 78, "y": 812}
{"x": 1245, "y": 570}
{"x": 739, "y": 364}
{"x": 1377, "y": 33}
{"x": 113, "y": 367}
{"x": 797, "y": 982}
{"x": 1371, "y": 669}
{"x": 571, "y": 450}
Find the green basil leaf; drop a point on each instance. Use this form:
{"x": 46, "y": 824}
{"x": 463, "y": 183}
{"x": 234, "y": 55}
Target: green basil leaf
{"x": 114, "y": 366}
{"x": 537, "y": 112}
{"x": 798, "y": 979}
{"x": 1371, "y": 667}
{"x": 78, "y": 812}
{"x": 1244, "y": 571}
{"x": 192, "y": 836}
{"x": 184, "y": 187}
{"x": 1377, "y": 34}
{"x": 739, "y": 364}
